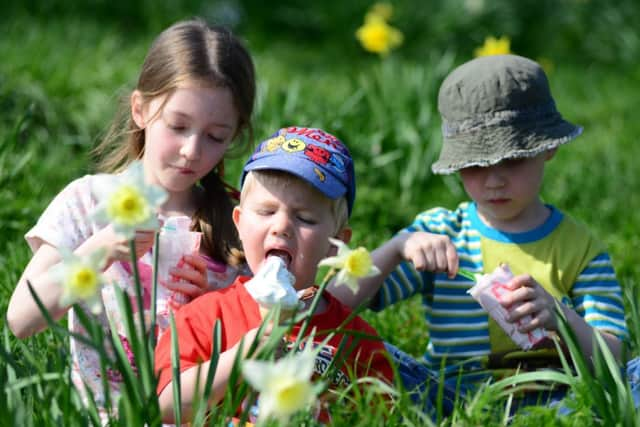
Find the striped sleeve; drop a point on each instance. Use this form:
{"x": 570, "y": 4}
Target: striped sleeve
{"x": 597, "y": 297}
{"x": 405, "y": 281}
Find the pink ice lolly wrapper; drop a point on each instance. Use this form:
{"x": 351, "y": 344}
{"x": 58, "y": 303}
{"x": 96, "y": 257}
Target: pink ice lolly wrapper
{"x": 488, "y": 291}
{"x": 176, "y": 240}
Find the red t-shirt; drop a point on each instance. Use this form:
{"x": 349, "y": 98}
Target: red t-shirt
{"x": 238, "y": 313}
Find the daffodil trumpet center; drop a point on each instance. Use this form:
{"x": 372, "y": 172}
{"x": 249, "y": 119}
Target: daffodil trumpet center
{"x": 128, "y": 206}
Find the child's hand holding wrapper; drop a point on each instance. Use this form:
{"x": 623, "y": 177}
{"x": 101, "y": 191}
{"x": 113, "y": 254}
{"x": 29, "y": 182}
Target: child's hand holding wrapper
{"x": 488, "y": 290}
{"x": 176, "y": 241}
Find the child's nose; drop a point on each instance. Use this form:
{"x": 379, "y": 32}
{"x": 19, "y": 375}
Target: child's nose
{"x": 495, "y": 177}
{"x": 281, "y": 225}
{"x": 191, "y": 147}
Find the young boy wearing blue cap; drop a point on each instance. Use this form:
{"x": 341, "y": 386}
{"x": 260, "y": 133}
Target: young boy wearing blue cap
{"x": 500, "y": 127}
{"x": 298, "y": 190}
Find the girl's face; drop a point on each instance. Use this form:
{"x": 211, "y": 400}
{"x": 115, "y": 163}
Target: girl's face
{"x": 187, "y": 138}
{"x": 508, "y": 194}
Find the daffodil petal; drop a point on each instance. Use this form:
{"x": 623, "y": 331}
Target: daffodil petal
{"x": 333, "y": 261}
{"x": 255, "y": 374}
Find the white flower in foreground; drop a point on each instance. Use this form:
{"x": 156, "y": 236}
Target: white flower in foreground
{"x": 353, "y": 264}
{"x": 284, "y": 385}
{"x": 127, "y": 202}
{"x": 81, "y": 278}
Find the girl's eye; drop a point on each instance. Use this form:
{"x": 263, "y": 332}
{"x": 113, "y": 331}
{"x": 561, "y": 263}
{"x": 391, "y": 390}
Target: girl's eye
{"x": 176, "y": 127}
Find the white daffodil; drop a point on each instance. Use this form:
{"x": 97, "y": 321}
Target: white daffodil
{"x": 353, "y": 264}
{"x": 81, "y": 278}
{"x": 126, "y": 201}
{"x": 285, "y": 385}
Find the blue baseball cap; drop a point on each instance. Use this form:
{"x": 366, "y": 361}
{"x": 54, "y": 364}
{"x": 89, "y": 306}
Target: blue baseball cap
{"x": 313, "y": 155}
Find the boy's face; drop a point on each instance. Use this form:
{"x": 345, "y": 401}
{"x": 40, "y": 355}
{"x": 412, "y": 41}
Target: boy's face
{"x": 293, "y": 222}
{"x": 508, "y": 194}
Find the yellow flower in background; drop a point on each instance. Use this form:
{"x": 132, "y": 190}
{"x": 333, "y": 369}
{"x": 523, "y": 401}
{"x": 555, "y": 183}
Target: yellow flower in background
{"x": 493, "y": 46}
{"x": 127, "y": 202}
{"x": 377, "y": 36}
{"x": 353, "y": 264}
{"x": 285, "y": 385}
{"x": 382, "y": 10}
{"x": 81, "y": 278}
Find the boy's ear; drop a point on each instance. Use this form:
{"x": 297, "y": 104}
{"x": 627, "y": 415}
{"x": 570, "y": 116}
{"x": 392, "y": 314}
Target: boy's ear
{"x": 137, "y": 109}
{"x": 550, "y": 153}
{"x": 344, "y": 235}
{"x": 235, "y": 216}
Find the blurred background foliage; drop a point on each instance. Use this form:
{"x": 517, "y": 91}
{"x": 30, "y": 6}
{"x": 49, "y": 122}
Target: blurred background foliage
{"x": 65, "y": 65}
{"x": 586, "y": 31}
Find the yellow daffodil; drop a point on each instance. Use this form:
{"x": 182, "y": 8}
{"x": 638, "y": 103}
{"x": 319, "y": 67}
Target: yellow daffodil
{"x": 285, "y": 385}
{"x": 353, "y": 264}
{"x": 126, "y": 201}
{"x": 377, "y": 36}
{"x": 382, "y": 10}
{"x": 493, "y": 46}
{"x": 81, "y": 278}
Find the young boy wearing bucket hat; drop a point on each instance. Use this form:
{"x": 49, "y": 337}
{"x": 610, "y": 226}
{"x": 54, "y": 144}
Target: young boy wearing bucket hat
{"x": 500, "y": 126}
{"x": 298, "y": 190}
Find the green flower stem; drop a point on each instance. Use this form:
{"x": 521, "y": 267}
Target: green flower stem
{"x": 467, "y": 274}
{"x": 154, "y": 292}
{"x": 144, "y": 364}
{"x": 314, "y": 305}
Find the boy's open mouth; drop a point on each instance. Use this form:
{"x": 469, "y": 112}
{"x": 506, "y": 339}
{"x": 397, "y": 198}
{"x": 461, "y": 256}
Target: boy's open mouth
{"x": 284, "y": 255}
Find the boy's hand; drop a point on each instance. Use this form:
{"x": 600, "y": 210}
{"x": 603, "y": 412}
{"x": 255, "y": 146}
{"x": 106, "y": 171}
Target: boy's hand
{"x": 528, "y": 297}
{"x": 429, "y": 252}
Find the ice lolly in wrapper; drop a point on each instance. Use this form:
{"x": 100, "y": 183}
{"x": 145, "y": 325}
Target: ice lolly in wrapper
{"x": 488, "y": 291}
{"x": 176, "y": 240}
{"x": 272, "y": 286}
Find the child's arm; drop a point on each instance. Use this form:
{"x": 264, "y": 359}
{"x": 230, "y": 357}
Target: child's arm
{"x": 193, "y": 379}
{"x": 532, "y": 299}
{"x": 23, "y": 314}
{"x": 426, "y": 251}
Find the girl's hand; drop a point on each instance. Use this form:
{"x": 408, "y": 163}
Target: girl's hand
{"x": 528, "y": 297}
{"x": 118, "y": 247}
{"x": 429, "y": 252}
{"x": 189, "y": 278}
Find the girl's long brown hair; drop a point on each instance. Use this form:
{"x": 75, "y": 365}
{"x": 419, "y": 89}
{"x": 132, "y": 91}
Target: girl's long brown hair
{"x": 191, "y": 52}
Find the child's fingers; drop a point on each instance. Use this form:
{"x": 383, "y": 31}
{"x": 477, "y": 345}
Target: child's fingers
{"x": 193, "y": 277}
{"x": 419, "y": 260}
{"x": 186, "y": 288}
{"x": 174, "y": 305}
{"x": 197, "y": 262}
{"x": 191, "y": 270}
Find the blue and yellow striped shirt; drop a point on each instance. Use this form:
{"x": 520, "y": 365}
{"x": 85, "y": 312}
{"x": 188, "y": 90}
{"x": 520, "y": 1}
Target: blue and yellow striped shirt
{"x": 561, "y": 254}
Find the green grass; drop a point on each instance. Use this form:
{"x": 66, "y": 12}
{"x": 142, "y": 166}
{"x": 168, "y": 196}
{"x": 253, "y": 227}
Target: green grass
{"x": 61, "y": 75}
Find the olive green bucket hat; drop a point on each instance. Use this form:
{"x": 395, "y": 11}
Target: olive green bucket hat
{"x": 495, "y": 108}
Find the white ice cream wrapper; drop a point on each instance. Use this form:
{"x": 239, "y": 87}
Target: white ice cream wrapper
{"x": 272, "y": 286}
{"x": 176, "y": 240}
{"x": 488, "y": 291}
